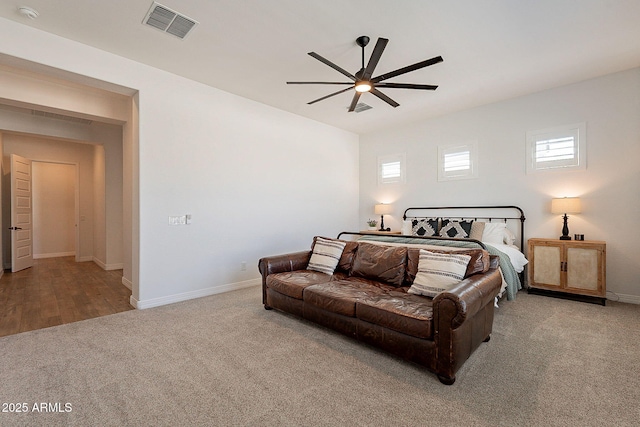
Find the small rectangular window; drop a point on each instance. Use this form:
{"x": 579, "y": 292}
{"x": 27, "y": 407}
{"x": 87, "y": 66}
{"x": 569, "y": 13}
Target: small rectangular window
{"x": 457, "y": 162}
{"x": 560, "y": 147}
{"x": 391, "y": 169}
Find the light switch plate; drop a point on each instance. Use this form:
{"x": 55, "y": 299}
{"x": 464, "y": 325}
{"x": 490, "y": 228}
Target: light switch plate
{"x": 177, "y": 220}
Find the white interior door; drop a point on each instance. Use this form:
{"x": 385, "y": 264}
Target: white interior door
{"x": 21, "y": 214}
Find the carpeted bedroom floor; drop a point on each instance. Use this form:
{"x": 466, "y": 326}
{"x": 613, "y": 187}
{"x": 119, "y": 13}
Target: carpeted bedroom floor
{"x": 224, "y": 360}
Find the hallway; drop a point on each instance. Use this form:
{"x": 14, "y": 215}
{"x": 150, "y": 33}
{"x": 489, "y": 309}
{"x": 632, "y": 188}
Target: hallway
{"x": 56, "y": 291}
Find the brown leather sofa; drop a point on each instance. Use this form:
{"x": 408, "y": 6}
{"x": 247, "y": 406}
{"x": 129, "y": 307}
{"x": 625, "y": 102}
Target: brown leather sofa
{"x": 366, "y": 298}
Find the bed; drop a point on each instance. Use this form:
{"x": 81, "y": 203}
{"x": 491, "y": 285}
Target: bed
{"x": 498, "y": 229}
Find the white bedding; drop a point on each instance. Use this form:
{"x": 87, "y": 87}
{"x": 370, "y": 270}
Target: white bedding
{"x": 517, "y": 258}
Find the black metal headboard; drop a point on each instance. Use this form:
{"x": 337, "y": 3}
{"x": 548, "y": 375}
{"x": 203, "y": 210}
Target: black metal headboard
{"x": 510, "y": 212}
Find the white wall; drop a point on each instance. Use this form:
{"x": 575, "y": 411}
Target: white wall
{"x": 54, "y": 216}
{"x": 99, "y": 207}
{"x": 257, "y": 181}
{"x": 609, "y": 105}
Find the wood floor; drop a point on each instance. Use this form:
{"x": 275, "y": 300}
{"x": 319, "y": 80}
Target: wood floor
{"x": 56, "y": 291}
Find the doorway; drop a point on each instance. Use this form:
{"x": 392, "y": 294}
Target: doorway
{"x": 55, "y": 209}
{"x": 72, "y": 108}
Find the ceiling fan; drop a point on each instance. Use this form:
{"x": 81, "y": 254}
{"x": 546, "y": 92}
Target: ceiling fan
{"x": 363, "y": 81}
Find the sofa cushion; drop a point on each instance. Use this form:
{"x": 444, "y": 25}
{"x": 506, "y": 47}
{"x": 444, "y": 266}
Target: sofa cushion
{"x": 438, "y": 272}
{"x": 406, "y": 313}
{"x": 378, "y": 262}
{"x": 348, "y": 254}
{"x": 479, "y": 262}
{"x": 340, "y": 296}
{"x": 292, "y": 283}
{"x": 325, "y": 255}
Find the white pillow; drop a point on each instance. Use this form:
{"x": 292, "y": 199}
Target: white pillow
{"x": 509, "y": 237}
{"x": 438, "y": 272}
{"x": 326, "y": 255}
{"x": 494, "y": 232}
{"x": 407, "y": 228}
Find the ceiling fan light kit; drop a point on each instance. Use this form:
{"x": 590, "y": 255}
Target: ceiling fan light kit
{"x": 363, "y": 81}
{"x": 363, "y": 87}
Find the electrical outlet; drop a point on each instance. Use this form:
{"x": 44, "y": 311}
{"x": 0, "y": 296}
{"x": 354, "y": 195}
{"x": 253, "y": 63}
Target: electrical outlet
{"x": 243, "y": 266}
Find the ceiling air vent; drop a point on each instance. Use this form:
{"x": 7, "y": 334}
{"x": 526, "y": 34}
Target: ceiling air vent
{"x": 361, "y": 106}
{"x": 169, "y": 21}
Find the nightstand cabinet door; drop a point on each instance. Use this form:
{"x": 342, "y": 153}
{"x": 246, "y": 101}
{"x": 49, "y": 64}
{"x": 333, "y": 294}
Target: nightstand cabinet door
{"x": 548, "y": 265}
{"x": 568, "y": 267}
{"x": 584, "y": 266}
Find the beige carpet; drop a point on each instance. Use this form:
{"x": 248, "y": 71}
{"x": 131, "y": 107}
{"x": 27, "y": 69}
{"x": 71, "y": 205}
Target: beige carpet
{"x": 224, "y": 360}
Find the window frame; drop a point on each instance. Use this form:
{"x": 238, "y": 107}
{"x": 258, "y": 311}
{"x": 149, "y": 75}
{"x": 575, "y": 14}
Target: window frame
{"x": 388, "y": 159}
{"x": 471, "y": 172}
{"x": 578, "y": 131}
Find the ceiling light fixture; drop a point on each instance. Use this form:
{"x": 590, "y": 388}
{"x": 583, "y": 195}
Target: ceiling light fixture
{"x": 28, "y": 12}
{"x": 363, "y": 86}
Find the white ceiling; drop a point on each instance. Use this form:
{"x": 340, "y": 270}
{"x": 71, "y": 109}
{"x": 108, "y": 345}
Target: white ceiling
{"x": 492, "y": 49}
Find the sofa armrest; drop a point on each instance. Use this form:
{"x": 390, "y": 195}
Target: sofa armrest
{"x": 279, "y": 264}
{"x": 465, "y": 299}
{"x": 462, "y": 320}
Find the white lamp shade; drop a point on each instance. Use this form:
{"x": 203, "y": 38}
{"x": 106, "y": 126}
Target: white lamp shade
{"x": 383, "y": 209}
{"x": 565, "y": 205}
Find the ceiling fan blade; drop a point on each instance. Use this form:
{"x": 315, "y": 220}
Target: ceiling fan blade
{"x": 332, "y": 65}
{"x": 330, "y": 95}
{"x": 407, "y": 86}
{"x": 320, "y": 83}
{"x": 384, "y": 97}
{"x": 375, "y": 57}
{"x": 354, "y": 101}
{"x": 407, "y": 69}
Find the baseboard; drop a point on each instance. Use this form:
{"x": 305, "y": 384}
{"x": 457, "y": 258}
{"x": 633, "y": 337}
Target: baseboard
{"x": 630, "y": 299}
{"x": 107, "y": 267}
{"x": 129, "y": 285}
{"x": 170, "y": 299}
{"x": 85, "y": 259}
{"x": 53, "y": 255}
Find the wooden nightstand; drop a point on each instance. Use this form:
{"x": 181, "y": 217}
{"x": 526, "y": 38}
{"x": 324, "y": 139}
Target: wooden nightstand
{"x": 379, "y": 232}
{"x": 568, "y": 269}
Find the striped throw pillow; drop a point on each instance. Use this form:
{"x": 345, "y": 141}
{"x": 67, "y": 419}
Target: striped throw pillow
{"x": 326, "y": 255}
{"x": 438, "y": 272}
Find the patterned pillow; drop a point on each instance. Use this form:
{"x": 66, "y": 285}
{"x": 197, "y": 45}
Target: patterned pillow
{"x": 424, "y": 227}
{"x": 438, "y": 272}
{"x": 452, "y": 228}
{"x": 326, "y": 255}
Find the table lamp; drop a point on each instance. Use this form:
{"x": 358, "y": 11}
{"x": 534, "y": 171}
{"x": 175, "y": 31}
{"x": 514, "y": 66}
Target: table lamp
{"x": 565, "y": 206}
{"x": 382, "y": 210}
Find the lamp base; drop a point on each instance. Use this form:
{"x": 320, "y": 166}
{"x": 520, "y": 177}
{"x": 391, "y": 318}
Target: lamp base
{"x": 382, "y": 224}
{"x": 565, "y": 229}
